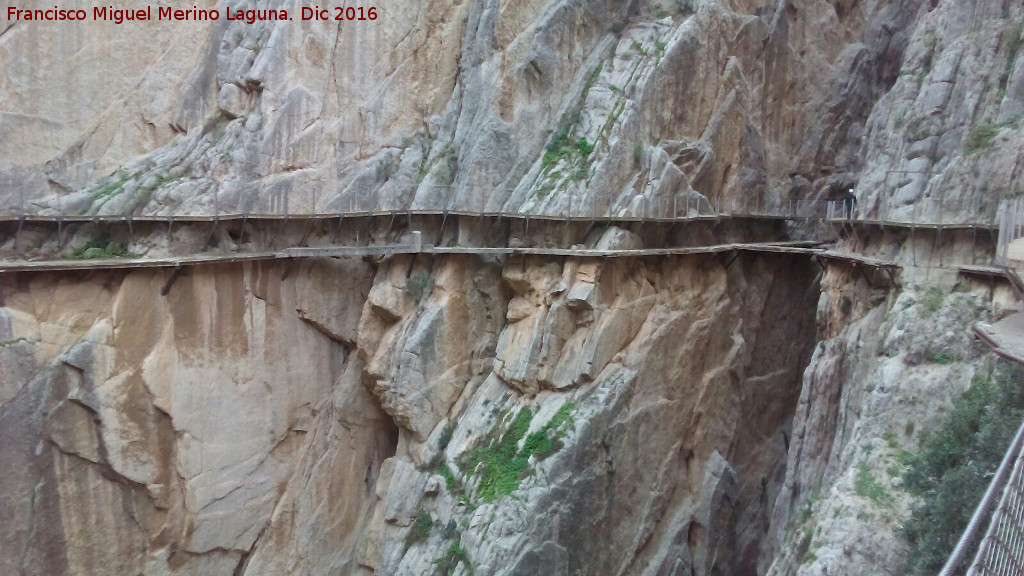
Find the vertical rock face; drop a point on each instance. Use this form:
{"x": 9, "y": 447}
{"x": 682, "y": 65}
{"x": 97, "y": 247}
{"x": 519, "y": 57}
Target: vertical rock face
{"x": 158, "y": 435}
{"x": 945, "y": 139}
{"x": 235, "y": 425}
{"x": 543, "y": 106}
{"x": 888, "y": 366}
{"x": 447, "y": 415}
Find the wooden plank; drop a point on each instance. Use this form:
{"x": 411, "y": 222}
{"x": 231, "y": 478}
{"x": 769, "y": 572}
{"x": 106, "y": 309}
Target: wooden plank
{"x": 355, "y": 251}
{"x": 857, "y": 259}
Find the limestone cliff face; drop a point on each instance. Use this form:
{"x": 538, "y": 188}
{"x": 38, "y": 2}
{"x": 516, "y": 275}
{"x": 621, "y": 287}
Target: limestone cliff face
{"x": 944, "y": 141}
{"x": 686, "y": 415}
{"x": 241, "y": 425}
{"x": 158, "y": 435}
{"x": 470, "y": 104}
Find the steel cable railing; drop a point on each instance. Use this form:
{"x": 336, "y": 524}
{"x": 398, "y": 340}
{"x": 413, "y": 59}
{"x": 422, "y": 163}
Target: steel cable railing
{"x": 1002, "y": 547}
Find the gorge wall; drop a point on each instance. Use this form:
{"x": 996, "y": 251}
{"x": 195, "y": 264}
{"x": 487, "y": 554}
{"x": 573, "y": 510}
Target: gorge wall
{"x": 471, "y": 104}
{"x": 677, "y": 415}
{"x": 252, "y": 422}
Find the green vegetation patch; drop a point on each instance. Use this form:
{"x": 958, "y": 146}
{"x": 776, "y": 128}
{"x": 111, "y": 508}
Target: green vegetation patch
{"x": 455, "y": 555}
{"x": 563, "y": 148}
{"x": 956, "y": 463}
{"x": 417, "y": 284}
{"x": 420, "y": 530}
{"x": 98, "y": 248}
{"x": 501, "y": 464}
{"x": 497, "y": 459}
{"x": 548, "y": 440}
{"x": 113, "y": 188}
{"x": 932, "y": 300}
{"x": 980, "y": 137}
{"x": 866, "y": 486}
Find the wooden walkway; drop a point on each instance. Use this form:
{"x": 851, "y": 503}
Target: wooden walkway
{"x": 1004, "y": 272}
{"x": 810, "y": 248}
{"x": 1005, "y": 337}
{"x": 666, "y": 215}
{"x": 391, "y": 217}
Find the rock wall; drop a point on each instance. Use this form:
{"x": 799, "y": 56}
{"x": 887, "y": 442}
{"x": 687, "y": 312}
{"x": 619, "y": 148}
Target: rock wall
{"x": 682, "y": 415}
{"x": 610, "y": 106}
{"x": 890, "y": 361}
{"x": 945, "y": 140}
{"x": 158, "y": 435}
{"x": 252, "y": 422}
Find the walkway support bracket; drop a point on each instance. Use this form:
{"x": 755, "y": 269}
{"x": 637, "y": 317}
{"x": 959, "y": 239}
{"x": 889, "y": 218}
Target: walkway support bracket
{"x": 170, "y": 280}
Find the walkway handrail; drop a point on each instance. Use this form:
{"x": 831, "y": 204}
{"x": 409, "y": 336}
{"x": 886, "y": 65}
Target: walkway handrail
{"x": 682, "y": 210}
{"x": 997, "y": 486}
{"x": 1006, "y": 558}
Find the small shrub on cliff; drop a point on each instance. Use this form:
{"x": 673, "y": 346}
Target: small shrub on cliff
{"x": 980, "y": 137}
{"x": 956, "y": 463}
{"x": 548, "y": 440}
{"x": 416, "y": 285}
{"x": 932, "y": 300}
{"x": 497, "y": 459}
{"x": 584, "y": 147}
{"x": 456, "y": 554}
{"x": 420, "y": 529}
{"x": 866, "y": 486}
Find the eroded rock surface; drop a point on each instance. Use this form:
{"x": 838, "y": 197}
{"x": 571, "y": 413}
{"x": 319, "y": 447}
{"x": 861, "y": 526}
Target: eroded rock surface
{"x": 551, "y": 106}
{"x": 234, "y": 426}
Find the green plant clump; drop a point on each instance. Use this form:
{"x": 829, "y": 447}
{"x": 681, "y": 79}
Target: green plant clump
{"x": 548, "y": 440}
{"x": 563, "y": 148}
{"x": 113, "y": 188}
{"x": 13, "y": 341}
{"x": 502, "y": 466}
{"x": 584, "y": 147}
{"x": 980, "y": 137}
{"x": 455, "y": 555}
{"x": 866, "y": 486}
{"x": 932, "y": 300}
{"x": 956, "y": 462}
{"x": 498, "y": 460}
{"x": 420, "y": 529}
{"x": 105, "y": 249}
{"x": 416, "y": 285}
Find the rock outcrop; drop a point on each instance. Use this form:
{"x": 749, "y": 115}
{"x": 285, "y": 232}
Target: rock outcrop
{"x": 242, "y": 424}
{"x": 706, "y": 414}
{"x": 552, "y": 107}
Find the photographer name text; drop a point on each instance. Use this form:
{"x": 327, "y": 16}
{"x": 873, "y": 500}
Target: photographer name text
{"x": 194, "y": 14}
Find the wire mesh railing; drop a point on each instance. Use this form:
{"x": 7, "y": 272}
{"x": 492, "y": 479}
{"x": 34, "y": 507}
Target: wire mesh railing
{"x": 1002, "y": 549}
{"x": 288, "y": 203}
{"x": 1000, "y": 552}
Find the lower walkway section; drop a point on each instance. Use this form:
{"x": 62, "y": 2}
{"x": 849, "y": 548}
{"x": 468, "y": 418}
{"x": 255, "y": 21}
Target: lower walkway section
{"x": 811, "y": 248}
